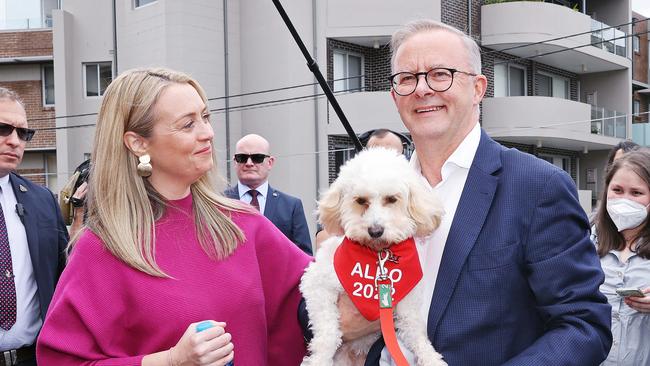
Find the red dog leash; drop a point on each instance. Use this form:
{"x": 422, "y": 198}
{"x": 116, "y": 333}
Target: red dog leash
{"x": 377, "y": 281}
{"x": 385, "y": 289}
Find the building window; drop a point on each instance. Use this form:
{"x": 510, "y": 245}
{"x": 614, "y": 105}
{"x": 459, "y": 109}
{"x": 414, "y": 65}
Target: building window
{"x": 97, "y": 76}
{"x": 47, "y": 80}
{"x": 139, "y": 3}
{"x": 552, "y": 86}
{"x": 636, "y": 107}
{"x": 509, "y": 80}
{"x": 348, "y": 71}
{"x": 636, "y": 42}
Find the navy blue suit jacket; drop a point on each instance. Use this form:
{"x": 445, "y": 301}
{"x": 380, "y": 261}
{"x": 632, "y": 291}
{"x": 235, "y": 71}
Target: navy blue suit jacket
{"x": 47, "y": 235}
{"x": 519, "y": 277}
{"x": 286, "y": 213}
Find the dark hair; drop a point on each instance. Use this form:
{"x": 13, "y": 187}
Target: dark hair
{"x": 380, "y": 133}
{"x": 625, "y": 145}
{"x": 609, "y": 238}
{"x": 84, "y": 174}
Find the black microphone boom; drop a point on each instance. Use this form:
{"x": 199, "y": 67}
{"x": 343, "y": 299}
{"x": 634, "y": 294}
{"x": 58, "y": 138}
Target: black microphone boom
{"x": 313, "y": 67}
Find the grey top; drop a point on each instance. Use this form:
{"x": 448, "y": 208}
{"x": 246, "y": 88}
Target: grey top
{"x": 629, "y": 327}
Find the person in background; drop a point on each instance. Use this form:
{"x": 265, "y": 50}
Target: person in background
{"x": 623, "y": 245}
{"x": 620, "y": 149}
{"x": 253, "y": 162}
{"x": 624, "y": 146}
{"x": 162, "y": 251}
{"x": 510, "y": 276}
{"x": 33, "y": 238}
{"x": 386, "y": 138}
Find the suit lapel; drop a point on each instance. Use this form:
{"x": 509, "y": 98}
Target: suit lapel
{"x": 29, "y": 219}
{"x": 271, "y": 203}
{"x": 472, "y": 210}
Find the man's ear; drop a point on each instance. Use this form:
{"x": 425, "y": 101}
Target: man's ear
{"x": 393, "y": 95}
{"x": 271, "y": 161}
{"x": 480, "y": 87}
{"x": 136, "y": 143}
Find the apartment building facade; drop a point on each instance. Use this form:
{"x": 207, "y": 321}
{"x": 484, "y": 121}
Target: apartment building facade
{"x": 26, "y": 66}
{"x": 641, "y": 79}
{"x": 566, "y": 101}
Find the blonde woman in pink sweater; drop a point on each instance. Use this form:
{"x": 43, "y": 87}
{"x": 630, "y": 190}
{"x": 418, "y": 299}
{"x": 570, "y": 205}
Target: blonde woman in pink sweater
{"x": 162, "y": 251}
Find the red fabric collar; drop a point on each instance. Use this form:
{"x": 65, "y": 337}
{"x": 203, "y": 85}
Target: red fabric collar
{"x": 356, "y": 267}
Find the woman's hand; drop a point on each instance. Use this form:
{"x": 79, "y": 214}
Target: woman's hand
{"x": 640, "y": 304}
{"x": 212, "y": 346}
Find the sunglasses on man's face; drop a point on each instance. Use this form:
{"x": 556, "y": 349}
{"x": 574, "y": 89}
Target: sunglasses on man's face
{"x": 24, "y": 134}
{"x": 256, "y": 158}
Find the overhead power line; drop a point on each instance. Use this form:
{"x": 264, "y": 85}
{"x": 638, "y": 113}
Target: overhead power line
{"x": 300, "y": 98}
{"x": 567, "y": 49}
{"x": 563, "y": 37}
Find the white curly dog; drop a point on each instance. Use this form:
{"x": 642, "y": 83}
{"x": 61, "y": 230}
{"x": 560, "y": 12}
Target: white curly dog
{"x": 377, "y": 200}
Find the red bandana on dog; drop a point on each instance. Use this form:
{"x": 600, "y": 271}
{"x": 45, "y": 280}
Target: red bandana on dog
{"x": 356, "y": 267}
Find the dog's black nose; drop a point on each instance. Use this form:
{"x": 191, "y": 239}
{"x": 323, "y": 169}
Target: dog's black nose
{"x": 375, "y": 231}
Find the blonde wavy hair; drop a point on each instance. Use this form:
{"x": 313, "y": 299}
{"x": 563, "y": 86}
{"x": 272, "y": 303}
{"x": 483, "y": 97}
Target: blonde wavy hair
{"x": 122, "y": 206}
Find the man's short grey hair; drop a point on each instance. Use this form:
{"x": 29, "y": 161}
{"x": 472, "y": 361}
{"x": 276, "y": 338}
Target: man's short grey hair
{"x": 11, "y": 95}
{"x": 423, "y": 25}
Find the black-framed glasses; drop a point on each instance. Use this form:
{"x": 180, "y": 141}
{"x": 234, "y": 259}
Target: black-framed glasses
{"x": 24, "y": 134}
{"x": 256, "y": 158}
{"x": 438, "y": 79}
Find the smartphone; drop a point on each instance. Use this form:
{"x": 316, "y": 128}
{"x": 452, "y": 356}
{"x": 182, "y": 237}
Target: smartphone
{"x": 627, "y": 292}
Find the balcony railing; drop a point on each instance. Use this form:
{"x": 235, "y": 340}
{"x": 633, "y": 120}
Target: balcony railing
{"x": 575, "y": 5}
{"x": 608, "y": 123}
{"x": 25, "y": 23}
{"x": 610, "y": 39}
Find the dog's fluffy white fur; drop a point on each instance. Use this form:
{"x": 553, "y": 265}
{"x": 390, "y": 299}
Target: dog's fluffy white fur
{"x": 376, "y": 192}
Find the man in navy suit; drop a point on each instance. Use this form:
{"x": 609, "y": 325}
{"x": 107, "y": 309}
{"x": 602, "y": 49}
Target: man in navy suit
{"x": 511, "y": 277}
{"x": 36, "y": 238}
{"x": 253, "y": 163}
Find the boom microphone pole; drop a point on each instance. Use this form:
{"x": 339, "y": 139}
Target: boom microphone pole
{"x": 313, "y": 67}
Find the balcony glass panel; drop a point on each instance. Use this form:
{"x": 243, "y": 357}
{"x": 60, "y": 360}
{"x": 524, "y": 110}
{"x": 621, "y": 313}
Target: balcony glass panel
{"x": 620, "y": 42}
{"x": 608, "y": 123}
{"x": 26, "y": 14}
{"x": 596, "y": 120}
{"x": 610, "y": 39}
{"x": 621, "y": 120}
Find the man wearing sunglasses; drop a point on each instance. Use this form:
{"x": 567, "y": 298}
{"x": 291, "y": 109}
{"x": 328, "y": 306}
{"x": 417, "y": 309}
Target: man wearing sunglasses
{"x": 253, "y": 164}
{"x": 32, "y": 241}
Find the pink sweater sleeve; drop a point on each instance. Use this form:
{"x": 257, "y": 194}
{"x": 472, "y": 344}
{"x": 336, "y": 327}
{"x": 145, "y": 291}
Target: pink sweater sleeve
{"x": 80, "y": 320}
{"x": 282, "y": 264}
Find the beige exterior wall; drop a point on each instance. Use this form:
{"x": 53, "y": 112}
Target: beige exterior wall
{"x": 189, "y": 36}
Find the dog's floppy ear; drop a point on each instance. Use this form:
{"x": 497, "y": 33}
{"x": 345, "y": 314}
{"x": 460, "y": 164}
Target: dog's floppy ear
{"x": 424, "y": 208}
{"x": 329, "y": 208}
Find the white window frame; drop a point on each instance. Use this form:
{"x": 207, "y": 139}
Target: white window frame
{"x": 555, "y": 78}
{"x": 636, "y": 44}
{"x": 43, "y": 89}
{"x": 636, "y": 108}
{"x": 84, "y": 65}
{"x": 346, "y": 82}
{"x": 148, "y": 2}
{"x": 521, "y": 67}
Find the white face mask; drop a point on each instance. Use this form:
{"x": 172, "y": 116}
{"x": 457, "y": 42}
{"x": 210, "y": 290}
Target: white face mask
{"x": 625, "y": 213}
